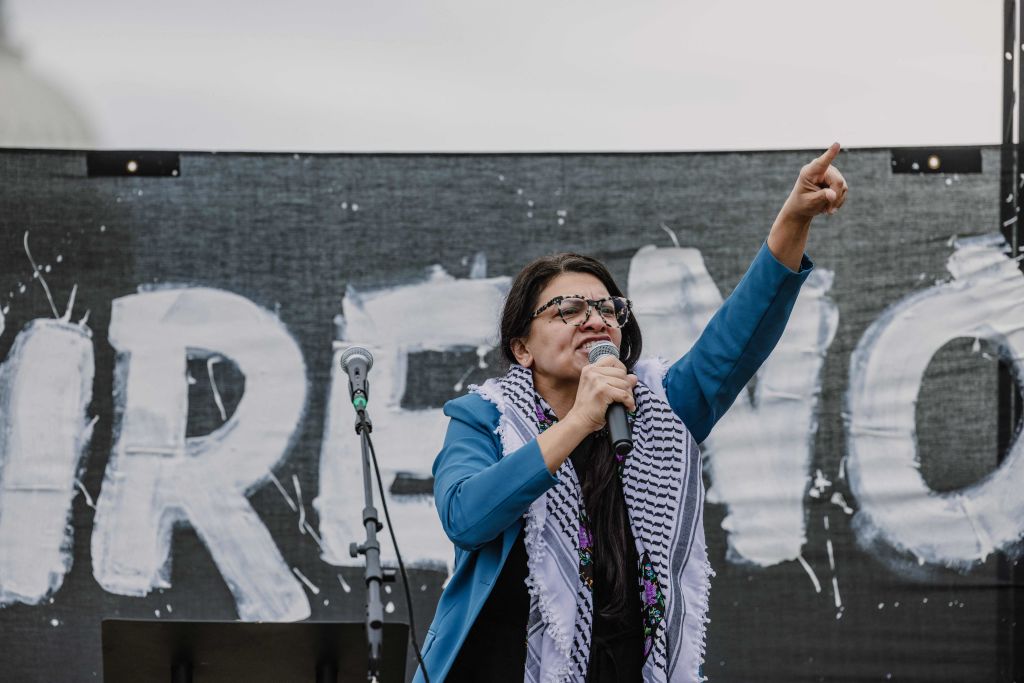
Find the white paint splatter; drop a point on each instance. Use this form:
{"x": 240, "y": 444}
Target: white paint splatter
{"x": 478, "y": 271}
{"x": 672, "y": 235}
{"x": 45, "y": 390}
{"x": 314, "y": 535}
{"x": 761, "y": 449}
{"x": 390, "y": 607}
{"x": 309, "y": 584}
{"x": 157, "y": 477}
{"x": 838, "y": 499}
{"x": 81, "y": 487}
{"x": 287, "y": 498}
{"x": 213, "y": 386}
{"x": 832, "y": 567}
{"x": 819, "y": 486}
{"x": 897, "y": 508}
{"x": 462, "y": 379}
{"x": 344, "y": 584}
{"x": 810, "y": 573}
{"x": 299, "y": 503}
{"x": 36, "y": 274}
{"x": 835, "y": 592}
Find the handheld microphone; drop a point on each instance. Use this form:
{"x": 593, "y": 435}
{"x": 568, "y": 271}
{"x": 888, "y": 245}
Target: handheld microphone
{"x": 618, "y": 427}
{"x": 356, "y": 362}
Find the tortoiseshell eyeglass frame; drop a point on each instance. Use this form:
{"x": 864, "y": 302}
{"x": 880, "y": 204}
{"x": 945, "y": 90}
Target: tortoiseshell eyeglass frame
{"x": 592, "y": 304}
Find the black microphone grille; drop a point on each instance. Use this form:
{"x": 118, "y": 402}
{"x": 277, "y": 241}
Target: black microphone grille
{"x": 354, "y": 351}
{"x": 601, "y": 349}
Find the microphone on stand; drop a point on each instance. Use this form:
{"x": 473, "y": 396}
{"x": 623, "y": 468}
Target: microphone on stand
{"x": 356, "y": 362}
{"x": 618, "y": 427}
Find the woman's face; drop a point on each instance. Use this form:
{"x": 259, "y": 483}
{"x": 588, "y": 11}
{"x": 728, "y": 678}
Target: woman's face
{"x": 558, "y": 352}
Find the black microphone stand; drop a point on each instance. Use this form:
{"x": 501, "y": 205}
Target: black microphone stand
{"x": 375, "y": 576}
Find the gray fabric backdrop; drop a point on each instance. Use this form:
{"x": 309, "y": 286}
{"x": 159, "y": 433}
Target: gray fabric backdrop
{"x": 291, "y": 232}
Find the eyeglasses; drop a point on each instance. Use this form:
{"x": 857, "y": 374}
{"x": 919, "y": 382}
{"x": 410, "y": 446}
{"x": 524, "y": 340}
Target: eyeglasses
{"x": 575, "y": 309}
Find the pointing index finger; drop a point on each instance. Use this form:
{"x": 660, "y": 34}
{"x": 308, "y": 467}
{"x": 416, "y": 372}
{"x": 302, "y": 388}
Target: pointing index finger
{"x": 821, "y": 164}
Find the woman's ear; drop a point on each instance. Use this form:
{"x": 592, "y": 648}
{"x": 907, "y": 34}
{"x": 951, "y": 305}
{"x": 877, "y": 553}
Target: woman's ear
{"x": 522, "y": 354}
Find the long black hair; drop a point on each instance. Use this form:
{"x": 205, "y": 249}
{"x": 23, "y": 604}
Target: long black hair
{"x": 601, "y": 488}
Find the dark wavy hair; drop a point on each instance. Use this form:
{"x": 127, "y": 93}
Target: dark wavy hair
{"x": 601, "y": 488}
{"x": 522, "y": 301}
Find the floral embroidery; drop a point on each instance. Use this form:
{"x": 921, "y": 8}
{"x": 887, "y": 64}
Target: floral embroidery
{"x": 653, "y": 599}
{"x": 586, "y": 550}
{"x": 545, "y": 416}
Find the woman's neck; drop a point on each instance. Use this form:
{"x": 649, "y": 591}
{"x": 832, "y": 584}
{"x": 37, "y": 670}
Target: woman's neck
{"x": 560, "y": 395}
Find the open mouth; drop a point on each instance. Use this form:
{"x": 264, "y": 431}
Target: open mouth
{"x": 587, "y": 345}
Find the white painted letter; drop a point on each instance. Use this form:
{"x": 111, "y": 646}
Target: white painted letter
{"x": 45, "y": 388}
{"x": 958, "y": 528}
{"x": 760, "y": 451}
{"x": 439, "y": 314}
{"x": 157, "y": 477}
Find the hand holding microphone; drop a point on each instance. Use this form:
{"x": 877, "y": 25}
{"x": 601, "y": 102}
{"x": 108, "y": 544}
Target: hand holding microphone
{"x": 605, "y": 394}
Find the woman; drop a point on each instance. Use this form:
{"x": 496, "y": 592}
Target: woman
{"x": 572, "y": 563}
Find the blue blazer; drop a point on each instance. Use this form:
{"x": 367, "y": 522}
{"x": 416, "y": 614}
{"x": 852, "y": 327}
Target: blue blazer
{"x": 481, "y": 494}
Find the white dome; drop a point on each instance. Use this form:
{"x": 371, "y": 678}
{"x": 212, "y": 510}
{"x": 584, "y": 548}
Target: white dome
{"x": 34, "y": 113}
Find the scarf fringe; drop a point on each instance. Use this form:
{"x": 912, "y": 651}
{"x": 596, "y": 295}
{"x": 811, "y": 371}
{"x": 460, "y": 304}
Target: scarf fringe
{"x": 491, "y": 391}
{"x": 535, "y": 553}
{"x": 703, "y": 607}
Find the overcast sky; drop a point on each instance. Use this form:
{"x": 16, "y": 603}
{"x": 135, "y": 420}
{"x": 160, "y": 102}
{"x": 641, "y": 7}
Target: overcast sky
{"x": 465, "y": 75}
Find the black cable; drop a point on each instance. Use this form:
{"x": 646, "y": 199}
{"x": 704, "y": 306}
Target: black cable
{"x": 401, "y": 565}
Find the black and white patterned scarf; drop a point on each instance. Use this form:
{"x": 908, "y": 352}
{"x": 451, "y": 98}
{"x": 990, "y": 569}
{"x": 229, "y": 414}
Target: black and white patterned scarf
{"x": 664, "y": 493}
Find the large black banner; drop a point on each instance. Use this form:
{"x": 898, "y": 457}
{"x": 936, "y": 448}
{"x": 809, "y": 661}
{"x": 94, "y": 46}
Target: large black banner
{"x": 175, "y": 439}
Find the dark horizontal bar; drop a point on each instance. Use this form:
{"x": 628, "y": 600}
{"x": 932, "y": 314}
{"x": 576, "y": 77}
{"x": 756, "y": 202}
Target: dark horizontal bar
{"x": 121, "y": 163}
{"x": 934, "y": 160}
{"x": 407, "y": 484}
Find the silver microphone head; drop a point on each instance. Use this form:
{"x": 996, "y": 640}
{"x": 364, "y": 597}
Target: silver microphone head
{"x": 356, "y": 351}
{"x": 601, "y": 349}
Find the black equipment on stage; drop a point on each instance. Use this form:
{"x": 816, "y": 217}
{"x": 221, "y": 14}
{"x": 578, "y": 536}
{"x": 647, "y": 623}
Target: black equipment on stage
{"x": 161, "y": 650}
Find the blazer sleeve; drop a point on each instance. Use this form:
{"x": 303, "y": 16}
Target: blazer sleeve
{"x": 702, "y": 384}
{"x": 478, "y": 492}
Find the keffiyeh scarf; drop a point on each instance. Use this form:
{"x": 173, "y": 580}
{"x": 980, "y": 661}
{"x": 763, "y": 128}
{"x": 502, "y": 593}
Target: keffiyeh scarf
{"x": 664, "y": 493}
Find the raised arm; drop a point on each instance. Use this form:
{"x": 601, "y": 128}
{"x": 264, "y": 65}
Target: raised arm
{"x": 704, "y": 383}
